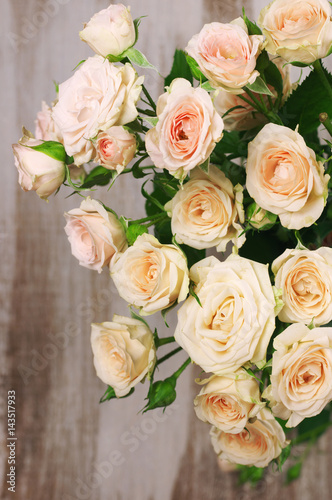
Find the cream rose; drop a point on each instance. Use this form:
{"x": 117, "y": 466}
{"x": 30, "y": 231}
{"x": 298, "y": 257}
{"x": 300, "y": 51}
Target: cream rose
{"x": 245, "y": 116}
{"x": 298, "y": 31}
{"x": 228, "y": 402}
{"x": 284, "y": 177}
{"x": 98, "y": 96}
{"x": 111, "y": 31}
{"x": 124, "y": 352}
{"x": 261, "y": 442}
{"x": 115, "y": 148}
{"x": 46, "y": 129}
{"x": 206, "y": 212}
{"x": 236, "y": 318}
{"x": 301, "y": 380}
{"x": 187, "y": 130}
{"x": 37, "y": 171}
{"x": 151, "y": 276}
{"x": 305, "y": 279}
{"x": 94, "y": 233}
{"x": 226, "y": 54}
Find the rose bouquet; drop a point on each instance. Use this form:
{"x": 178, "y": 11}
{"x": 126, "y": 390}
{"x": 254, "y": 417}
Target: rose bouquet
{"x": 233, "y": 160}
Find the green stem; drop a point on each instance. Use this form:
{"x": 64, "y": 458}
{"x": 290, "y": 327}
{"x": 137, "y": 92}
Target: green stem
{"x": 311, "y": 434}
{"x": 161, "y": 218}
{"x": 164, "y": 341}
{"x": 321, "y": 74}
{"x": 146, "y": 219}
{"x": 182, "y": 368}
{"x": 254, "y": 99}
{"x": 250, "y": 103}
{"x": 149, "y": 98}
{"x": 169, "y": 355}
{"x": 325, "y": 120}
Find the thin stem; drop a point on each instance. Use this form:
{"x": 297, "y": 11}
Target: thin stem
{"x": 254, "y": 99}
{"x": 263, "y": 103}
{"x": 161, "y": 218}
{"x": 149, "y": 98}
{"x": 325, "y": 120}
{"x": 249, "y": 102}
{"x": 321, "y": 74}
{"x": 182, "y": 368}
{"x": 146, "y": 219}
{"x": 169, "y": 355}
{"x": 164, "y": 341}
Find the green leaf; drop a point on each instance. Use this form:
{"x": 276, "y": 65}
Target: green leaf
{"x": 283, "y": 456}
{"x": 208, "y": 87}
{"x": 195, "y": 71}
{"x": 305, "y": 104}
{"x": 193, "y": 254}
{"x": 136, "y": 57}
{"x": 314, "y": 426}
{"x": 259, "y": 86}
{"x": 79, "y": 64}
{"x": 110, "y": 394}
{"x": 134, "y": 126}
{"x": 134, "y": 231}
{"x": 193, "y": 293}
{"x": 250, "y": 474}
{"x": 99, "y": 176}
{"x": 152, "y": 120}
{"x": 294, "y": 472}
{"x": 53, "y": 149}
{"x": 273, "y": 77}
{"x": 180, "y": 68}
{"x": 253, "y": 29}
{"x": 205, "y": 166}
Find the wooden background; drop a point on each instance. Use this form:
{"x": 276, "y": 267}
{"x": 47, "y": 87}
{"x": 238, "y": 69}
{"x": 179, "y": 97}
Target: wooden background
{"x": 70, "y": 447}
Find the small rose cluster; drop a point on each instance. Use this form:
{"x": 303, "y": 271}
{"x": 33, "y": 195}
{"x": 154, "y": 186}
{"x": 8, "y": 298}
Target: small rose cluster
{"x": 229, "y": 169}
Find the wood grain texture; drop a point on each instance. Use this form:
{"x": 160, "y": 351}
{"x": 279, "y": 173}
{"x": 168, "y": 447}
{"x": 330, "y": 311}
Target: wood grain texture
{"x": 69, "y": 447}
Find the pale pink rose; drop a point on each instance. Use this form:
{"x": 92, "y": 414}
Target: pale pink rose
{"x": 98, "y": 96}
{"x": 111, "y": 31}
{"x": 46, "y": 129}
{"x": 94, "y": 233}
{"x": 245, "y": 116}
{"x": 297, "y": 31}
{"x": 258, "y": 444}
{"x": 187, "y": 130}
{"x": 115, "y": 148}
{"x": 284, "y": 177}
{"x": 124, "y": 352}
{"x": 37, "y": 171}
{"x": 226, "y": 54}
{"x": 207, "y": 211}
{"x": 301, "y": 379}
{"x": 149, "y": 275}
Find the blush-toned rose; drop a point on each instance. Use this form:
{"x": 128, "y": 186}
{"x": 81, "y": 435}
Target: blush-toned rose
{"x": 297, "y": 31}
{"x": 95, "y": 234}
{"x": 149, "y": 275}
{"x": 305, "y": 279}
{"x": 46, "y": 129}
{"x": 236, "y": 318}
{"x": 261, "y": 442}
{"x": 124, "y": 352}
{"x": 115, "y": 148}
{"x": 207, "y": 211}
{"x": 98, "y": 96}
{"x": 284, "y": 177}
{"x": 187, "y": 130}
{"x": 37, "y": 171}
{"x": 228, "y": 402}
{"x": 111, "y": 31}
{"x": 245, "y": 116}
{"x": 226, "y": 54}
{"x": 301, "y": 379}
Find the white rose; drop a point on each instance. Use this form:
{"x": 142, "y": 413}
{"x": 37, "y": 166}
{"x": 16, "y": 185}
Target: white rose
{"x": 94, "y": 233}
{"x": 124, "y": 352}
{"x": 305, "y": 279}
{"x": 98, "y": 96}
{"x": 299, "y": 31}
{"x": 226, "y": 54}
{"x": 37, "y": 171}
{"x": 228, "y": 402}
{"x": 149, "y": 275}
{"x": 46, "y": 129}
{"x": 115, "y": 148}
{"x": 111, "y": 31}
{"x": 261, "y": 442}
{"x": 236, "y": 320}
{"x": 206, "y": 212}
{"x": 284, "y": 177}
{"x": 301, "y": 380}
{"x": 187, "y": 130}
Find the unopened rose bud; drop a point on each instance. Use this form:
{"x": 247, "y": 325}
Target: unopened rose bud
{"x": 259, "y": 218}
{"x": 111, "y": 31}
{"x": 161, "y": 394}
{"x": 37, "y": 171}
{"x": 115, "y": 147}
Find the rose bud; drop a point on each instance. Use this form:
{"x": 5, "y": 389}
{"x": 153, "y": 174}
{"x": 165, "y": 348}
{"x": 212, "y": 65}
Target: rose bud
{"x": 259, "y": 218}
{"x": 94, "y": 233}
{"x": 124, "y": 352}
{"x": 115, "y": 147}
{"x": 37, "y": 171}
{"x": 111, "y": 31}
